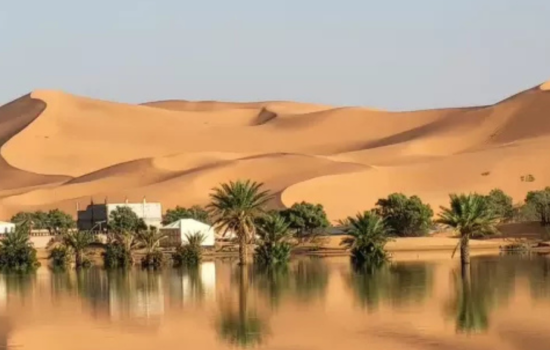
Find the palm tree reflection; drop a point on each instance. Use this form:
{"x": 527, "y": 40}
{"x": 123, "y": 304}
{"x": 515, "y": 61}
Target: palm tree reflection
{"x": 242, "y": 327}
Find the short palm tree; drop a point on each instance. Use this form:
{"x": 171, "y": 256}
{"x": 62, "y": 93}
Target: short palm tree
{"x": 16, "y": 250}
{"x": 235, "y": 207}
{"x": 367, "y": 237}
{"x": 274, "y": 248}
{"x": 150, "y": 239}
{"x": 470, "y": 215}
{"x": 78, "y": 242}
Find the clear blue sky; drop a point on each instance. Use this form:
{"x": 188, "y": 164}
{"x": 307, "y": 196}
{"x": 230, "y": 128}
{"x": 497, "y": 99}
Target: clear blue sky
{"x": 394, "y": 54}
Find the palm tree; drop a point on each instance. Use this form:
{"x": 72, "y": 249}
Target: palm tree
{"x": 274, "y": 247}
{"x": 470, "y": 216}
{"x": 234, "y": 207}
{"x": 78, "y": 242}
{"x": 367, "y": 237}
{"x": 150, "y": 239}
{"x": 16, "y": 250}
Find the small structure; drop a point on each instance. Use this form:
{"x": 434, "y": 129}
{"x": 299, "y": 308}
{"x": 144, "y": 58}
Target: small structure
{"x": 6, "y": 227}
{"x": 96, "y": 216}
{"x": 176, "y": 232}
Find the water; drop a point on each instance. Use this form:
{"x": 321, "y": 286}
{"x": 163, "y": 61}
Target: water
{"x": 315, "y": 304}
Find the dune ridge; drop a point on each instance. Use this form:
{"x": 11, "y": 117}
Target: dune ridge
{"x": 57, "y": 149}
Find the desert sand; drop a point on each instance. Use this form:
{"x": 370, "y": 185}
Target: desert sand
{"x": 58, "y": 149}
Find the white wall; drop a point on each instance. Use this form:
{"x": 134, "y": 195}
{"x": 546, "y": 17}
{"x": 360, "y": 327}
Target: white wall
{"x": 151, "y": 213}
{"x": 6, "y": 227}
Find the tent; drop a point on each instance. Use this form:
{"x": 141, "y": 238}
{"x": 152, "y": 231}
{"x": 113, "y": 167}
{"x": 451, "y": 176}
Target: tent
{"x": 177, "y": 232}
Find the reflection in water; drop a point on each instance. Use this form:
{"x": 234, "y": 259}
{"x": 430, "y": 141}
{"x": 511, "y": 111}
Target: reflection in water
{"x": 400, "y": 283}
{"x": 221, "y": 305}
{"x": 243, "y": 327}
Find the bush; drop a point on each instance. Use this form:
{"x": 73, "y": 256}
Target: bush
{"x": 405, "y": 216}
{"x": 269, "y": 254}
{"x": 538, "y": 202}
{"x": 189, "y": 254}
{"x": 153, "y": 260}
{"x": 17, "y": 252}
{"x": 60, "y": 257}
{"x": 306, "y": 219}
{"x": 501, "y": 204}
{"x": 116, "y": 255}
{"x": 195, "y": 212}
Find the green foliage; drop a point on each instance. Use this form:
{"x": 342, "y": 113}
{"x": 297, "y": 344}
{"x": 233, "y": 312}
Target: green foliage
{"x": 58, "y": 221}
{"x": 235, "y": 206}
{"x": 195, "y": 212}
{"x": 55, "y": 221}
{"x": 77, "y": 243}
{"x": 153, "y": 260}
{"x": 367, "y": 236}
{"x": 124, "y": 219}
{"x": 306, "y": 219}
{"x": 274, "y": 248}
{"x": 60, "y": 257}
{"x": 17, "y": 252}
{"x": 405, "y": 216}
{"x": 189, "y": 254}
{"x": 117, "y": 255}
{"x": 470, "y": 215}
{"x": 539, "y": 203}
{"x": 150, "y": 239}
{"x": 501, "y": 204}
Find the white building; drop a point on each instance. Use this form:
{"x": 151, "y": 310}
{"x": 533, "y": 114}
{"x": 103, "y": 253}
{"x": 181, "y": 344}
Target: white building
{"x": 177, "y": 232}
{"x": 97, "y": 215}
{"x": 6, "y": 227}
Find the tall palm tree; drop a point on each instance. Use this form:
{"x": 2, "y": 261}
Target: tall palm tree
{"x": 366, "y": 238}
{"x": 234, "y": 207}
{"x": 470, "y": 215}
{"x": 78, "y": 242}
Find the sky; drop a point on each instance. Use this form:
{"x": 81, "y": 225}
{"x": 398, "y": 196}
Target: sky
{"x": 391, "y": 54}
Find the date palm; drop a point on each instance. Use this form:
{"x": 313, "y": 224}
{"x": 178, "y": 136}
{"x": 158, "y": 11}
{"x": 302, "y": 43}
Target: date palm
{"x": 78, "y": 242}
{"x": 150, "y": 239}
{"x": 367, "y": 235}
{"x": 470, "y": 215}
{"x": 235, "y": 206}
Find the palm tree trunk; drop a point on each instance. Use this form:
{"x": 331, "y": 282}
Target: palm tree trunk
{"x": 78, "y": 258}
{"x": 243, "y": 254}
{"x": 465, "y": 250}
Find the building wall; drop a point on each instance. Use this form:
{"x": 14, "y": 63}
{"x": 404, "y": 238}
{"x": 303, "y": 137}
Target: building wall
{"x": 6, "y": 228}
{"x": 151, "y": 213}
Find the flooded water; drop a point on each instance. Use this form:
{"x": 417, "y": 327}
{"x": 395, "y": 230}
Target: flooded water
{"x": 314, "y": 304}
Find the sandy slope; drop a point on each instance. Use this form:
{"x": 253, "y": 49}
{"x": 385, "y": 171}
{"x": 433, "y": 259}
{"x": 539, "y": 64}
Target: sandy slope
{"x": 57, "y": 149}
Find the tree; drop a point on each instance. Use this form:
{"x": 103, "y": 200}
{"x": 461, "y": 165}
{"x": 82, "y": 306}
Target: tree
{"x": 36, "y": 220}
{"x": 57, "y": 221}
{"x": 17, "y": 252}
{"x": 367, "y": 236}
{"x": 189, "y": 254}
{"x": 78, "y": 242}
{"x": 195, "y": 212}
{"x": 150, "y": 240}
{"x": 124, "y": 219}
{"x": 274, "y": 248}
{"x": 405, "y": 216}
{"x": 235, "y": 207}
{"x": 539, "y": 201}
{"x": 501, "y": 204}
{"x": 471, "y": 216}
{"x": 306, "y": 219}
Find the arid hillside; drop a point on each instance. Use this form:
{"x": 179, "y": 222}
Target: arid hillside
{"x": 58, "y": 149}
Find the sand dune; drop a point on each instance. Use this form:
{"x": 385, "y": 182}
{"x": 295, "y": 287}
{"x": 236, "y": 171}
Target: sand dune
{"x": 58, "y": 149}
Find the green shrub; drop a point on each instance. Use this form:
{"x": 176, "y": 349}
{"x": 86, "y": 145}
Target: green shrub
{"x": 153, "y": 260}
{"x": 307, "y": 220}
{"x": 269, "y": 254}
{"x": 116, "y": 255}
{"x": 189, "y": 254}
{"x": 405, "y": 216}
{"x": 17, "y": 252}
{"x": 60, "y": 257}
{"x": 273, "y": 248}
